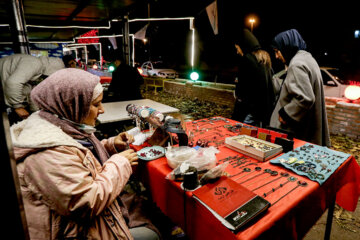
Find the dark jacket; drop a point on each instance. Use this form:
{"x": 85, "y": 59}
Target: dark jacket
{"x": 125, "y": 84}
{"x": 254, "y": 88}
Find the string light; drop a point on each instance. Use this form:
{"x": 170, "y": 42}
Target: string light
{"x": 109, "y": 26}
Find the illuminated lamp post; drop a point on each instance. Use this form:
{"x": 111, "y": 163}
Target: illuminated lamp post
{"x": 194, "y": 76}
{"x": 251, "y": 21}
{"x": 352, "y": 92}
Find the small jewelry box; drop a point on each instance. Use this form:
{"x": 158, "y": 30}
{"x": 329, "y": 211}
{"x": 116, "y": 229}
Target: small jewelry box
{"x": 253, "y": 147}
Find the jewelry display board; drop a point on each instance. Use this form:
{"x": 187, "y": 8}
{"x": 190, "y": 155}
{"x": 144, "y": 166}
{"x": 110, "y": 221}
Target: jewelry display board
{"x": 315, "y": 162}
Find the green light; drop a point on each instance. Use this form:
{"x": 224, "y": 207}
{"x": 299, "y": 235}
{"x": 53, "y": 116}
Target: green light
{"x": 111, "y": 68}
{"x": 194, "y": 76}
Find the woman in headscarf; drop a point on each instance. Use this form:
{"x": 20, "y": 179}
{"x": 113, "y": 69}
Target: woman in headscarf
{"x": 300, "y": 108}
{"x": 70, "y": 181}
{"x": 254, "y": 89}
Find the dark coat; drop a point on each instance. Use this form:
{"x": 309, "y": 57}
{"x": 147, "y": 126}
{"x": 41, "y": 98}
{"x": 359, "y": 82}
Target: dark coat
{"x": 254, "y": 90}
{"x": 125, "y": 84}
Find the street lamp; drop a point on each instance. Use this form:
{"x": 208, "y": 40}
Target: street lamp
{"x": 251, "y": 21}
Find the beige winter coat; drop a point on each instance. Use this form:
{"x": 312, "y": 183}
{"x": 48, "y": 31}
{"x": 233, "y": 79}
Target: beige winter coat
{"x": 66, "y": 192}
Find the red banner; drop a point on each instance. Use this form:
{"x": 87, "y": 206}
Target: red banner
{"x": 92, "y": 33}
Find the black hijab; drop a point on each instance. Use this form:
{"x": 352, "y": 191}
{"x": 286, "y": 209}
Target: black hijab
{"x": 247, "y": 42}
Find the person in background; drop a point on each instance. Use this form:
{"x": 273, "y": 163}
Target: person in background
{"x": 126, "y": 81}
{"x": 300, "y": 108}
{"x": 18, "y": 74}
{"x": 71, "y": 181}
{"x": 69, "y": 61}
{"x": 254, "y": 91}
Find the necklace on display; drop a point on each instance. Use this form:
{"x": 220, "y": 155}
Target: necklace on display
{"x": 283, "y": 174}
{"x": 290, "y": 179}
{"x": 265, "y": 171}
{"x": 247, "y": 165}
{"x": 243, "y": 171}
{"x": 272, "y": 174}
{"x": 256, "y": 169}
{"x": 299, "y": 184}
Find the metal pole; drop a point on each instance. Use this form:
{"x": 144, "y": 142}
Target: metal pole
{"x": 18, "y": 27}
{"x": 133, "y": 51}
{"x": 329, "y": 218}
{"x": 149, "y": 38}
{"x": 15, "y": 224}
{"x": 192, "y": 49}
{"x": 100, "y": 53}
{"x": 126, "y": 52}
{"x": 86, "y": 54}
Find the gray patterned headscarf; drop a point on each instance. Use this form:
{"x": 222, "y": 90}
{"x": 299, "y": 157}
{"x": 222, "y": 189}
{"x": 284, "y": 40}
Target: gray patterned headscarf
{"x": 64, "y": 99}
{"x": 66, "y": 93}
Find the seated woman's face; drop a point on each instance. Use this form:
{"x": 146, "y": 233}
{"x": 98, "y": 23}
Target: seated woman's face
{"x": 96, "y": 108}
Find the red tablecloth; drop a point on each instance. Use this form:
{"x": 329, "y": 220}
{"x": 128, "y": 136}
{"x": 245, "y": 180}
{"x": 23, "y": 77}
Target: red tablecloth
{"x": 290, "y": 218}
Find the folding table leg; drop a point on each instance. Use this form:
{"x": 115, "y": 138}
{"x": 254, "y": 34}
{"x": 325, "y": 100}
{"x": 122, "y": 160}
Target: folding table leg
{"x": 329, "y": 219}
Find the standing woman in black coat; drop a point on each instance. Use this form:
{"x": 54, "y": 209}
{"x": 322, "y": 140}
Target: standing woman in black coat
{"x": 254, "y": 89}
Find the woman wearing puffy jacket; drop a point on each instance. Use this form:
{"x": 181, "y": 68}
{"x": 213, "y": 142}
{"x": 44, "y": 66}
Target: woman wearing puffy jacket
{"x": 70, "y": 181}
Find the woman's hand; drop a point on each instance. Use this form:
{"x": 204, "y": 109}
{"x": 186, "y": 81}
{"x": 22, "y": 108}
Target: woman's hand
{"x": 122, "y": 141}
{"x": 131, "y": 155}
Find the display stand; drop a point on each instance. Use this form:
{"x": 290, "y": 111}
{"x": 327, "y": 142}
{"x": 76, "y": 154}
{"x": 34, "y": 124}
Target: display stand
{"x": 160, "y": 127}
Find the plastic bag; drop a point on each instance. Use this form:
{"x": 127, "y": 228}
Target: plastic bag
{"x": 203, "y": 160}
{"x": 177, "y": 155}
{"x": 213, "y": 173}
{"x": 178, "y": 173}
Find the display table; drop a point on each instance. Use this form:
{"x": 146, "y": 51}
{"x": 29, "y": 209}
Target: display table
{"x": 290, "y": 218}
{"x": 116, "y": 111}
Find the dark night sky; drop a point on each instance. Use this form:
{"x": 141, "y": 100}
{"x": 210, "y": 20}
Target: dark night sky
{"x": 326, "y": 28}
